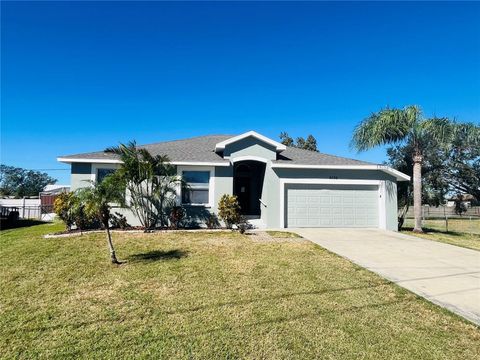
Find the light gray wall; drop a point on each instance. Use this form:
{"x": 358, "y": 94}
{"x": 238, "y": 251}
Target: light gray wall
{"x": 271, "y": 187}
{"x": 391, "y": 206}
{"x": 80, "y": 174}
{"x": 272, "y": 184}
{"x": 250, "y": 146}
{"x": 223, "y": 183}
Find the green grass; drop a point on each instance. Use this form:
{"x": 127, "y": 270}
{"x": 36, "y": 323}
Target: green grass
{"x": 455, "y": 225}
{"x": 462, "y": 232}
{"x": 209, "y": 296}
{"x": 283, "y": 234}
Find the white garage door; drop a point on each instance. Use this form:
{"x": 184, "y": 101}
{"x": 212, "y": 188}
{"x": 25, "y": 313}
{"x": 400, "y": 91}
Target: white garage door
{"x": 331, "y": 206}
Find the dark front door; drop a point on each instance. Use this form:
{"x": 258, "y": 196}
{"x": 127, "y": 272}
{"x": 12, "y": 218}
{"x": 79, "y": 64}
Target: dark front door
{"x": 242, "y": 190}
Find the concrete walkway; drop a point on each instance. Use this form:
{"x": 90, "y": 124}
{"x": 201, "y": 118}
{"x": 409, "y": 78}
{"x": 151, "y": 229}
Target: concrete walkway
{"x": 444, "y": 274}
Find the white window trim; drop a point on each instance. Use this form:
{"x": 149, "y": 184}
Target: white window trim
{"x": 211, "y": 184}
{"x": 382, "y": 215}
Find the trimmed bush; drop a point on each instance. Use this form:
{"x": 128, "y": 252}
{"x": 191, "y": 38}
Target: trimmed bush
{"x": 177, "y": 213}
{"x": 229, "y": 210}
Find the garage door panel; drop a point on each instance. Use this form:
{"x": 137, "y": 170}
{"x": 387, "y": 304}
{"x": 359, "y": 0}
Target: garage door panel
{"x": 332, "y": 206}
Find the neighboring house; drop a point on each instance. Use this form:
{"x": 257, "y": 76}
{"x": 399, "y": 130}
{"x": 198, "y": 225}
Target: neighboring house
{"x": 54, "y": 189}
{"x": 277, "y": 186}
{"x": 466, "y": 200}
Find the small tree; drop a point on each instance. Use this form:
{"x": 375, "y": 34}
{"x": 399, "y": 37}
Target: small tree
{"x": 97, "y": 200}
{"x": 229, "y": 210}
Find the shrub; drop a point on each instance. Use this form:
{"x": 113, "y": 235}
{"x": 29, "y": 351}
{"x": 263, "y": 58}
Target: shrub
{"x": 229, "y": 210}
{"x": 177, "y": 213}
{"x": 63, "y": 207}
{"x": 69, "y": 209}
{"x": 212, "y": 222}
{"x": 119, "y": 221}
{"x": 83, "y": 221}
{"x": 242, "y": 224}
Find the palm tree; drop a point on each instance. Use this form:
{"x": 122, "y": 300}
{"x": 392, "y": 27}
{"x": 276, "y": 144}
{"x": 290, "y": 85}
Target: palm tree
{"x": 407, "y": 126}
{"x": 96, "y": 200}
{"x": 151, "y": 183}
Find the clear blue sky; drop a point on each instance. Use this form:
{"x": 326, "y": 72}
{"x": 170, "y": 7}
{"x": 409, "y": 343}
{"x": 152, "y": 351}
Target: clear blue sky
{"x": 78, "y": 77}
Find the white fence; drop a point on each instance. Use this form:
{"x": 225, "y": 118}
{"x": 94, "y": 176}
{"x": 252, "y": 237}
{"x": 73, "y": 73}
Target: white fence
{"x": 27, "y": 208}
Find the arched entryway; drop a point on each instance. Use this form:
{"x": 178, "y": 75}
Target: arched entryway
{"x": 248, "y": 179}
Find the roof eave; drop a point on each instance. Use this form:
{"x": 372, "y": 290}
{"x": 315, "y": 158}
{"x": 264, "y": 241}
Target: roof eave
{"x": 395, "y": 173}
{"x": 115, "y": 161}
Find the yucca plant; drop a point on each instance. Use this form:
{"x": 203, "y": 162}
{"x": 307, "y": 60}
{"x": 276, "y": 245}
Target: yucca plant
{"x": 407, "y": 126}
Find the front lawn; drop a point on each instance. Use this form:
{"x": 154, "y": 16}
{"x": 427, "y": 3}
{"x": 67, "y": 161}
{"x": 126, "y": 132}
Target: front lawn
{"x": 462, "y": 232}
{"x": 209, "y": 295}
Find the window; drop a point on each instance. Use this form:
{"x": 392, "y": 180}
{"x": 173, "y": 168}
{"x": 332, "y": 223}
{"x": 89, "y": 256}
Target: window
{"x": 102, "y": 173}
{"x": 197, "y": 187}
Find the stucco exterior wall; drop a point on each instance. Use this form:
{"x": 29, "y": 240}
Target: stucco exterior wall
{"x": 83, "y": 173}
{"x": 250, "y": 146}
{"x": 274, "y": 175}
{"x": 271, "y": 197}
{"x": 80, "y": 174}
{"x": 391, "y": 206}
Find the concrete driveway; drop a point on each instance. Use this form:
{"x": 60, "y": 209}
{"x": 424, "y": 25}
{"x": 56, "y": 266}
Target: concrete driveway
{"x": 444, "y": 274}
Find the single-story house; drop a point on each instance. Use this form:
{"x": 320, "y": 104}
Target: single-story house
{"x": 277, "y": 186}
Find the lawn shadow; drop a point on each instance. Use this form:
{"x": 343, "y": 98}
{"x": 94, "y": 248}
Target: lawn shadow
{"x": 157, "y": 255}
{"x": 427, "y": 230}
{"x": 6, "y": 224}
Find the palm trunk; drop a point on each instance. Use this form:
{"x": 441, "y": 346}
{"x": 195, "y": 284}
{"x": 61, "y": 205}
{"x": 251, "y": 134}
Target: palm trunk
{"x": 417, "y": 192}
{"x": 113, "y": 257}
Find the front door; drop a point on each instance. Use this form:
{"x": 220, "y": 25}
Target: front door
{"x": 242, "y": 190}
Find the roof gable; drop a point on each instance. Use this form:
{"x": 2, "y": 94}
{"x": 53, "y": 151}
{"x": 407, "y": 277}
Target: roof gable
{"x": 278, "y": 146}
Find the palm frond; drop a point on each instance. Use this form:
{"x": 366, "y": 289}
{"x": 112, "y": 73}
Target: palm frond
{"x": 388, "y": 126}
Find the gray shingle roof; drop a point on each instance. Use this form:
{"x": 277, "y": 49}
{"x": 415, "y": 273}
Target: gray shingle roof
{"x": 304, "y": 157}
{"x": 202, "y": 149}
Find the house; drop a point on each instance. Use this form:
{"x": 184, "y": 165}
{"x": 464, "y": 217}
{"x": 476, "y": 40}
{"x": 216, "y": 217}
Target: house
{"x": 277, "y": 186}
{"x": 465, "y": 199}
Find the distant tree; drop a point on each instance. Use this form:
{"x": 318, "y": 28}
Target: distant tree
{"x": 22, "y": 182}
{"x": 405, "y": 126}
{"x": 454, "y": 169}
{"x": 462, "y": 168}
{"x": 301, "y": 143}
{"x": 310, "y": 143}
{"x": 286, "y": 139}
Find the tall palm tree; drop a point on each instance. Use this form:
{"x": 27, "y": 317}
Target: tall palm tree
{"x": 407, "y": 126}
{"x": 97, "y": 199}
